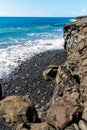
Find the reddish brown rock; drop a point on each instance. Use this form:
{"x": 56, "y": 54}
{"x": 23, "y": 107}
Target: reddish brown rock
{"x": 57, "y": 117}
{"x": 62, "y": 111}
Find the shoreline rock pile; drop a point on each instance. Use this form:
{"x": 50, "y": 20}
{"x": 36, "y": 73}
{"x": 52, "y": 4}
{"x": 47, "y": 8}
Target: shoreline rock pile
{"x": 68, "y": 105}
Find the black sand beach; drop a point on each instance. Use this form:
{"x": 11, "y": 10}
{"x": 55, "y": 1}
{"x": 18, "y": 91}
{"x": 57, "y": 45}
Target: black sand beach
{"x": 27, "y": 79}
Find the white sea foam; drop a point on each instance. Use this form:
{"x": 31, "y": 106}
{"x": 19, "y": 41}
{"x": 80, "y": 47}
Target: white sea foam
{"x": 12, "y": 56}
{"x": 72, "y": 20}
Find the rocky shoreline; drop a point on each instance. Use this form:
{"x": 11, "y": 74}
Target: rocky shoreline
{"x": 63, "y": 92}
{"x": 27, "y": 79}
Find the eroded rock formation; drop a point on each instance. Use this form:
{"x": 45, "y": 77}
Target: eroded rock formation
{"x": 69, "y": 102}
{"x": 68, "y": 106}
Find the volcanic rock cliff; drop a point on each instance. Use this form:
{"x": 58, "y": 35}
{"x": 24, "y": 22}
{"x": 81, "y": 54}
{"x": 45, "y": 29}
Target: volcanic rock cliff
{"x": 68, "y": 105}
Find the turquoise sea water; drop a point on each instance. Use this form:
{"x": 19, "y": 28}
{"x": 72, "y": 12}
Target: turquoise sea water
{"x": 23, "y": 37}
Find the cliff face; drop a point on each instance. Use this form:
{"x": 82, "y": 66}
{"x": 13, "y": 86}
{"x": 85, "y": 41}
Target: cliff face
{"x": 74, "y": 33}
{"x": 69, "y": 102}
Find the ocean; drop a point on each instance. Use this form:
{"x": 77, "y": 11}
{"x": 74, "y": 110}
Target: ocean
{"x": 23, "y": 37}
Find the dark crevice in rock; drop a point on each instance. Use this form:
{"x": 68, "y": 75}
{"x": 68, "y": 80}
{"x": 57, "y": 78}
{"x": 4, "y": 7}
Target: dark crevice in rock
{"x": 77, "y": 116}
{"x": 81, "y": 51}
{"x": 77, "y": 78}
{"x": 26, "y": 126}
{"x": 52, "y": 74}
{"x": 29, "y": 114}
{"x": 65, "y": 45}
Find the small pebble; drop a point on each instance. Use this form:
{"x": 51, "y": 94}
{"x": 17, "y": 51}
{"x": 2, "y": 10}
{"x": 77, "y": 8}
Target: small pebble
{"x": 76, "y": 126}
{"x": 26, "y": 82}
{"x": 38, "y": 91}
{"x": 42, "y": 101}
{"x": 82, "y": 125}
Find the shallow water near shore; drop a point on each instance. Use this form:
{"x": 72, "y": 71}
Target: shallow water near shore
{"x": 22, "y": 38}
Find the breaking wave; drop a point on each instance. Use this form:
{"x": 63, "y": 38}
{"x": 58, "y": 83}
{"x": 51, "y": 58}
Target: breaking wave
{"x": 12, "y": 56}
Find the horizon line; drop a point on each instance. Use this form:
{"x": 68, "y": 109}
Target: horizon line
{"x": 42, "y": 16}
